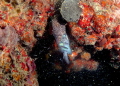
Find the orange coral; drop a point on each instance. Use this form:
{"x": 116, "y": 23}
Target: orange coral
{"x": 79, "y": 65}
{"x": 97, "y": 21}
{"x": 85, "y": 55}
{"x": 86, "y": 16}
{"x": 91, "y": 65}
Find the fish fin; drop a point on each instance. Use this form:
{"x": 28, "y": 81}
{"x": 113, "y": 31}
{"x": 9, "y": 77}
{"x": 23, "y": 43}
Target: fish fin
{"x": 65, "y": 57}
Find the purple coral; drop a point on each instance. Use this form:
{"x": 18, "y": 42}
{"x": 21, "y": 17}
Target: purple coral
{"x": 8, "y": 36}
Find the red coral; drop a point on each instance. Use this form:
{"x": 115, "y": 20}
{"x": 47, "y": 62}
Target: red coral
{"x": 87, "y": 14}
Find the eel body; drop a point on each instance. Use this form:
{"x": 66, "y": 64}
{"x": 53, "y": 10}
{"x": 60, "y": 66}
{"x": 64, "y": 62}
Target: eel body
{"x": 61, "y": 38}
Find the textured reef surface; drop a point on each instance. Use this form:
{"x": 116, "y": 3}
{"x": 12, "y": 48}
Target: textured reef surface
{"x": 59, "y": 42}
{"x": 21, "y": 21}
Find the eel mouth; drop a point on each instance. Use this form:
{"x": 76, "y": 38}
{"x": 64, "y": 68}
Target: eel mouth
{"x": 65, "y": 57}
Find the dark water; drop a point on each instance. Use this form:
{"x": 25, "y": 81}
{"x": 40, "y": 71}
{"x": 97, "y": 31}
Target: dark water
{"x": 105, "y": 75}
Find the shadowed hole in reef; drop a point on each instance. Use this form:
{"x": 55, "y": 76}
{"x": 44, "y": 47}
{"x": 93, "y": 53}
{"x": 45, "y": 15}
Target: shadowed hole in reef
{"x": 48, "y": 76}
{"x": 42, "y": 48}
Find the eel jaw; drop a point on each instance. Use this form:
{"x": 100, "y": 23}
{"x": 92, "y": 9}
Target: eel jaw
{"x": 65, "y": 57}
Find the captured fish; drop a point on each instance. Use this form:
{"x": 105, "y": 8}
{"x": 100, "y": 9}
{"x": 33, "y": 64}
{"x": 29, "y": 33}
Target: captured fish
{"x": 61, "y": 38}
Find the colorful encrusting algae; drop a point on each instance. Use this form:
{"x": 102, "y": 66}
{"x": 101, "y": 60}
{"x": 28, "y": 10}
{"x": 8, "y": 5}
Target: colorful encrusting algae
{"x": 19, "y": 20}
{"x": 99, "y": 26}
{"x": 22, "y": 20}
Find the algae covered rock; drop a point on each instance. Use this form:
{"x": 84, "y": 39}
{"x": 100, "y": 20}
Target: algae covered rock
{"x": 70, "y": 10}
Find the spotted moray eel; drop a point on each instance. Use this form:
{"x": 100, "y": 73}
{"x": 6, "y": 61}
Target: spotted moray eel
{"x": 61, "y": 38}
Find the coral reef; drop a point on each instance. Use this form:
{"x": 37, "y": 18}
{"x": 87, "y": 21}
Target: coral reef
{"x": 98, "y": 25}
{"x": 19, "y": 21}
{"x": 93, "y": 23}
{"x": 81, "y": 59}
